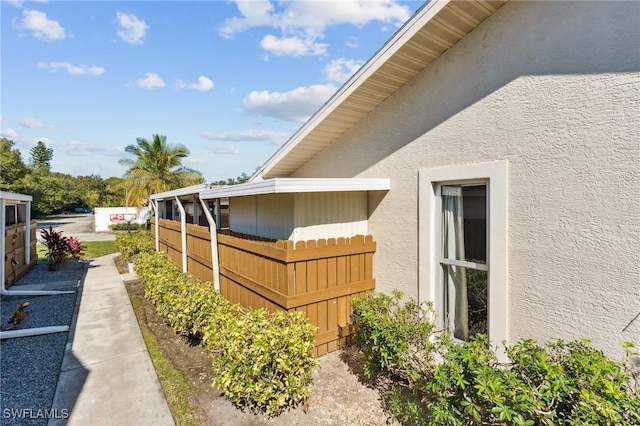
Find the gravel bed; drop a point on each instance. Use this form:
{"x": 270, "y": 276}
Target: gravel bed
{"x": 30, "y": 366}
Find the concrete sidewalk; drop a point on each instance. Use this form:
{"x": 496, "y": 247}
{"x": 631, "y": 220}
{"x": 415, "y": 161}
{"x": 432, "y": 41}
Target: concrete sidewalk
{"x": 107, "y": 377}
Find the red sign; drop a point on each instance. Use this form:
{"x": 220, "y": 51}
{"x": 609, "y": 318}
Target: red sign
{"x": 122, "y": 217}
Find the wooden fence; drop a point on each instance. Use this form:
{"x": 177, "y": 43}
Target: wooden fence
{"x": 14, "y": 243}
{"x": 318, "y": 278}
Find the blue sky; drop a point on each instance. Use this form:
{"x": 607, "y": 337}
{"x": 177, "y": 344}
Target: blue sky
{"x": 230, "y": 80}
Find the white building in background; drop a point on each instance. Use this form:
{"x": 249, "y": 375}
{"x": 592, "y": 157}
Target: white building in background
{"x": 106, "y": 216}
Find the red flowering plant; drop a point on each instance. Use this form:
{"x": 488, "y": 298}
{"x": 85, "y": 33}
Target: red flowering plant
{"x": 75, "y": 247}
{"x": 57, "y": 247}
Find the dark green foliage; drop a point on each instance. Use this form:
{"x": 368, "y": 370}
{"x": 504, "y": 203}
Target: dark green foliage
{"x": 260, "y": 361}
{"x": 40, "y": 158}
{"x": 12, "y": 168}
{"x": 560, "y": 383}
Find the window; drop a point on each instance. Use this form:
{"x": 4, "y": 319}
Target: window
{"x": 463, "y": 259}
{"x": 463, "y": 249}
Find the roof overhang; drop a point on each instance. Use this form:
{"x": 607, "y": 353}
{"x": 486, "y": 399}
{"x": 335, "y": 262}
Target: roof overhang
{"x": 432, "y": 30}
{"x": 182, "y": 192}
{"x": 13, "y": 198}
{"x": 293, "y": 185}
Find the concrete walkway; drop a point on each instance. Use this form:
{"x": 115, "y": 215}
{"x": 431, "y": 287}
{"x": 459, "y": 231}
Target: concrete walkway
{"x": 107, "y": 377}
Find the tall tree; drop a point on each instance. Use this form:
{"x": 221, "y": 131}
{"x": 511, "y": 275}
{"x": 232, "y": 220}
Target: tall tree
{"x": 41, "y": 156}
{"x": 156, "y": 167}
{"x": 12, "y": 168}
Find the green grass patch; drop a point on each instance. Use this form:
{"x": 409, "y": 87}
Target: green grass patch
{"x": 92, "y": 249}
{"x": 174, "y": 384}
{"x": 95, "y": 249}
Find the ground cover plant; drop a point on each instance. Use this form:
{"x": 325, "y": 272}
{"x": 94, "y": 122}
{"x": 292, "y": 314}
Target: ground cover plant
{"x": 260, "y": 361}
{"x": 453, "y": 383}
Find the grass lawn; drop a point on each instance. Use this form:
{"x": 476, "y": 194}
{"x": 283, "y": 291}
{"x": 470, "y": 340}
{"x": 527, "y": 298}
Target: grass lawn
{"x": 92, "y": 250}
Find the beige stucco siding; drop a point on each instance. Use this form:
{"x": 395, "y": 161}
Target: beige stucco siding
{"x": 554, "y": 88}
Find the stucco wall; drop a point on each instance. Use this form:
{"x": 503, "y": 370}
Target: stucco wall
{"x": 554, "y": 88}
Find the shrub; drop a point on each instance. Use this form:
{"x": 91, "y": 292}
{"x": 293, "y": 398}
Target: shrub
{"x": 557, "y": 383}
{"x": 394, "y": 337}
{"x": 128, "y": 227}
{"x": 259, "y": 361}
{"x": 130, "y": 244}
{"x": 262, "y": 361}
{"x": 75, "y": 247}
{"x": 57, "y": 247}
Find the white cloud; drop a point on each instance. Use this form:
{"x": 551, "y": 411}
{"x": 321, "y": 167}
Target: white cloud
{"x": 72, "y": 69}
{"x": 302, "y": 22}
{"x": 75, "y": 148}
{"x": 32, "y": 122}
{"x": 293, "y": 46}
{"x": 248, "y": 136}
{"x": 254, "y": 14}
{"x": 339, "y": 70}
{"x": 150, "y": 81}
{"x": 132, "y": 30}
{"x": 8, "y": 133}
{"x": 204, "y": 84}
{"x": 227, "y": 149}
{"x": 41, "y": 26}
{"x": 352, "y": 42}
{"x": 296, "y": 105}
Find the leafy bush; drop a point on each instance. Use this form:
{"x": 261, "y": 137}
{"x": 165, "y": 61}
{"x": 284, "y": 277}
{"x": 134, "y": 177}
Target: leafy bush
{"x": 130, "y": 244}
{"x": 394, "y": 337}
{"x": 260, "y": 361}
{"x": 128, "y": 227}
{"x": 558, "y": 383}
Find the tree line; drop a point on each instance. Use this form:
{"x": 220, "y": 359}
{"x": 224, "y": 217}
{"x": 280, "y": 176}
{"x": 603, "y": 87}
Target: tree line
{"x": 156, "y": 167}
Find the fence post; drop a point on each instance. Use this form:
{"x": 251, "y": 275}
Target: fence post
{"x": 214, "y": 244}
{"x": 183, "y": 234}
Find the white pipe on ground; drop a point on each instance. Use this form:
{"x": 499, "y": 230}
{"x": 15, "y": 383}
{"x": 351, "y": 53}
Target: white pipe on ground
{"x": 27, "y": 332}
{"x": 214, "y": 245}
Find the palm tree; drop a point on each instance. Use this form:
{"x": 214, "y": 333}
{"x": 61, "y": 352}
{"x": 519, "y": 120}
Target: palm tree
{"x": 157, "y": 167}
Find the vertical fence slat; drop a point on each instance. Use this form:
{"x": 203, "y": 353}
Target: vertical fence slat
{"x": 253, "y": 269}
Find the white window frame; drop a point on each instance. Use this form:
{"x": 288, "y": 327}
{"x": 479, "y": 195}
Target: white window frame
{"x": 494, "y": 175}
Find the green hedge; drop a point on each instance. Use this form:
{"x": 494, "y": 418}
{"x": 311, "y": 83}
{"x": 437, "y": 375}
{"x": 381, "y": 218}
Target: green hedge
{"x": 260, "y": 361}
{"x": 560, "y": 383}
{"x": 131, "y": 243}
{"x": 128, "y": 226}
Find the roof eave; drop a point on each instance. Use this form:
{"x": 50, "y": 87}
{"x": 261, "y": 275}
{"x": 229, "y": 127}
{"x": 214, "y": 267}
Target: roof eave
{"x": 297, "y": 185}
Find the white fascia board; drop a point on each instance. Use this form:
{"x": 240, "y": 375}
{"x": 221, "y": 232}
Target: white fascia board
{"x": 11, "y": 196}
{"x": 181, "y": 192}
{"x": 293, "y": 185}
{"x": 402, "y": 36}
